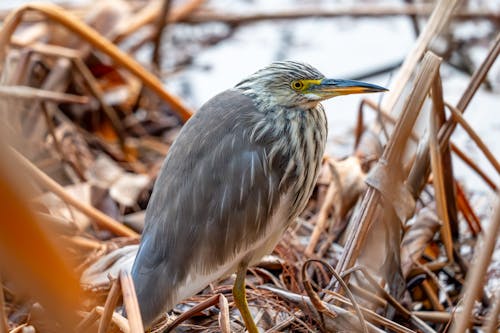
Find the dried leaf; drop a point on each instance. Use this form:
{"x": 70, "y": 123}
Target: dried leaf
{"x": 122, "y": 259}
{"x": 127, "y": 188}
{"x": 345, "y": 321}
{"x": 416, "y": 238}
{"x": 57, "y": 207}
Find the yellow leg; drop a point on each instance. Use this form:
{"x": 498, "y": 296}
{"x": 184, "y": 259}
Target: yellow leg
{"x": 240, "y": 298}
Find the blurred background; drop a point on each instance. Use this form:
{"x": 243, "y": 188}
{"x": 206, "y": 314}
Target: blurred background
{"x": 202, "y": 58}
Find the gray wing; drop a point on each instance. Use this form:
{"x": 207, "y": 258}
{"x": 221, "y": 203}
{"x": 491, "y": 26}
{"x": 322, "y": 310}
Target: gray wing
{"x": 213, "y": 196}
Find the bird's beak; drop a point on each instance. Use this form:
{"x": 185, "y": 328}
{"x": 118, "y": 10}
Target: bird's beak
{"x": 328, "y": 88}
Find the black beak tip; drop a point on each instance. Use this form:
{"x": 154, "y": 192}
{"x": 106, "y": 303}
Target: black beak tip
{"x": 376, "y": 88}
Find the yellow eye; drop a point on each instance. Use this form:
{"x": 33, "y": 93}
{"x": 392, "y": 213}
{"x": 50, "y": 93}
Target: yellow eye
{"x": 297, "y": 85}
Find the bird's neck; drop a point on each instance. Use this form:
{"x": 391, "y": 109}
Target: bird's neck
{"x": 296, "y": 139}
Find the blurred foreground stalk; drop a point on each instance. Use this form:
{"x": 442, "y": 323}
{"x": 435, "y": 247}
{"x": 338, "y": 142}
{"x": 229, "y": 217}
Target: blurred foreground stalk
{"x": 29, "y": 257}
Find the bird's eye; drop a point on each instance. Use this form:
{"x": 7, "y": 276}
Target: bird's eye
{"x": 297, "y": 85}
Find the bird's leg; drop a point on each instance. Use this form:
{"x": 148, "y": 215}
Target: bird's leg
{"x": 240, "y": 298}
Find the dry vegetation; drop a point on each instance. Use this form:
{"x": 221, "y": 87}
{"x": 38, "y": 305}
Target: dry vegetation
{"x": 379, "y": 247}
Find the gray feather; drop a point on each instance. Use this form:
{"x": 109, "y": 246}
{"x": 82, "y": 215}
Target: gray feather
{"x": 244, "y": 153}
{"x": 203, "y": 209}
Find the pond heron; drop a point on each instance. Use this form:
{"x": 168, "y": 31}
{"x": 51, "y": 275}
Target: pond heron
{"x": 240, "y": 171}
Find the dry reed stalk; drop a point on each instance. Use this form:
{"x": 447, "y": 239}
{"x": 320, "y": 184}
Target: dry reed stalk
{"x": 448, "y": 179}
{"x": 436, "y": 118}
{"x": 457, "y": 115}
{"x": 381, "y": 114}
{"x": 469, "y": 92}
{"x": 46, "y": 49}
{"x": 101, "y": 219}
{"x": 378, "y": 289}
{"x": 88, "y": 320}
{"x": 18, "y": 329}
{"x": 460, "y": 154}
{"x": 473, "y": 165}
{"x": 367, "y": 10}
{"x": 467, "y": 211}
{"x": 224, "y": 322}
{"x": 430, "y": 274}
{"x": 475, "y": 277}
{"x": 312, "y": 295}
{"x": 365, "y": 294}
{"x": 432, "y": 266}
{"x": 420, "y": 170}
{"x": 75, "y": 25}
{"x": 422, "y": 326}
{"x": 96, "y": 90}
{"x": 150, "y": 14}
{"x": 109, "y": 307}
{"x": 372, "y": 316}
{"x": 431, "y": 296}
{"x": 146, "y": 15}
{"x": 389, "y": 164}
{"x": 448, "y": 176}
{"x": 438, "y": 20}
{"x": 29, "y": 93}
{"x": 131, "y": 303}
{"x": 4, "y": 325}
{"x": 321, "y": 308}
{"x": 121, "y": 322}
{"x": 159, "y": 32}
{"x": 279, "y": 327}
{"x": 434, "y": 316}
{"x": 85, "y": 243}
{"x": 168, "y": 327}
{"x": 344, "y": 321}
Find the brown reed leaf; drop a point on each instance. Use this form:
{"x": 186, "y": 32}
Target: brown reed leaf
{"x": 387, "y": 178}
{"x": 437, "y": 166}
{"x": 417, "y": 237}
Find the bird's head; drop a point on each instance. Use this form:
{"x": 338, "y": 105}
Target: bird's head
{"x": 295, "y": 84}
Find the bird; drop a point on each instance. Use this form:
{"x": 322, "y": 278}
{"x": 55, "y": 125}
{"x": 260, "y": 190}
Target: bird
{"x": 240, "y": 171}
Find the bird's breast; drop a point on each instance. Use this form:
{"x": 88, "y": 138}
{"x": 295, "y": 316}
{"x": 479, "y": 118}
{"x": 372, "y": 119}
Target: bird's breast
{"x": 298, "y": 150}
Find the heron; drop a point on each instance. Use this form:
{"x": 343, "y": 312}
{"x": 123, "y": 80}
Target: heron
{"x": 239, "y": 172}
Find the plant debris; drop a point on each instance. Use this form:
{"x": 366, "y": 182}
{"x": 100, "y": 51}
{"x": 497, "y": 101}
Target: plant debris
{"x": 390, "y": 240}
